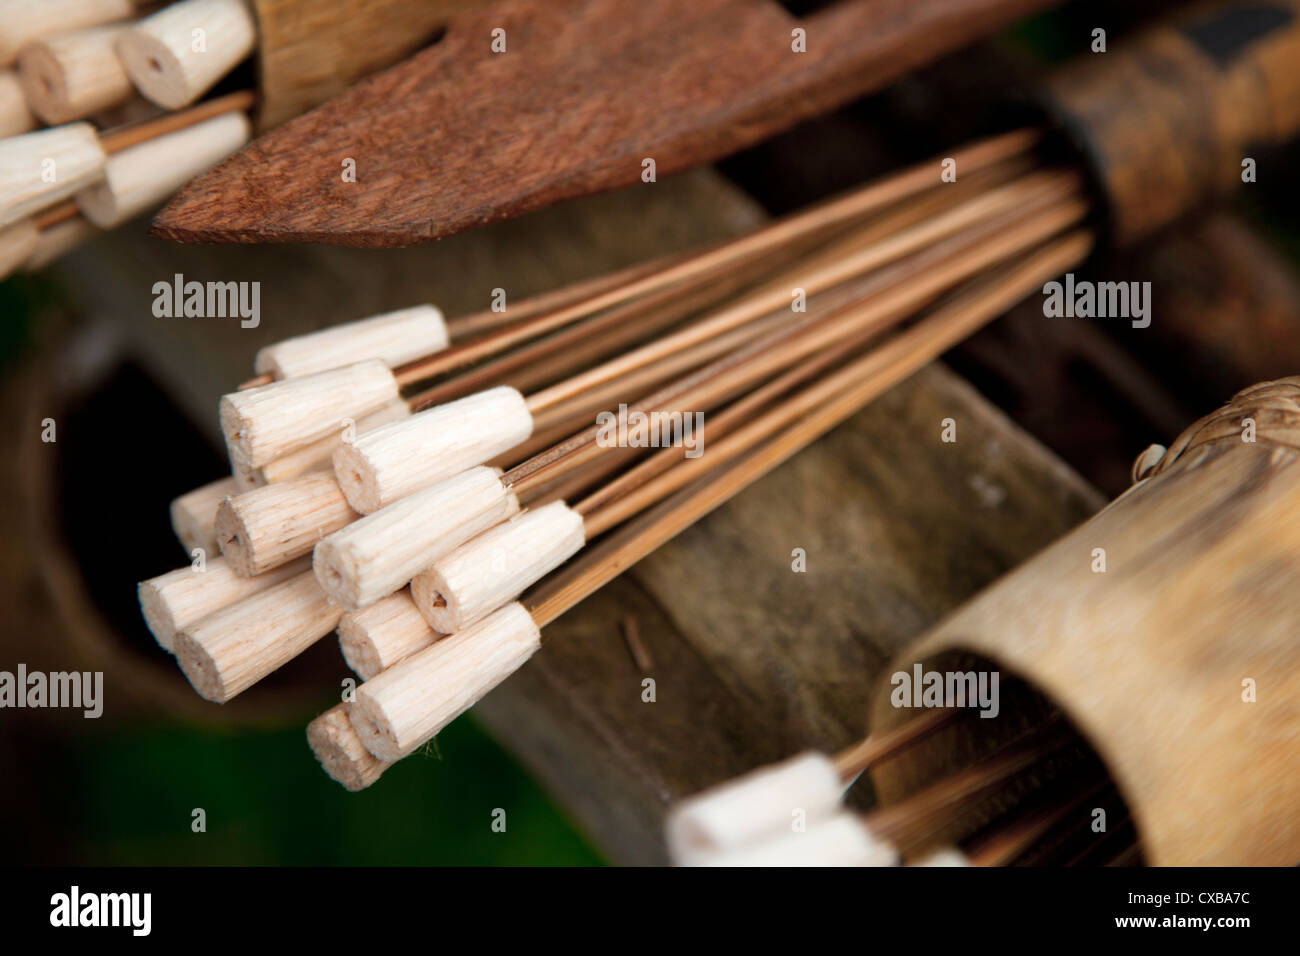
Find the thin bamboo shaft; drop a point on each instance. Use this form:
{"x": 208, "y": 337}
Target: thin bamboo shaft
{"x": 577, "y": 345}
{"x": 606, "y": 560}
{"x": 725, "y": 422}
{"x": 965, "y": 216}
{"x": 701, "y": 268}
{"x": 788, "y": 336}
{"x": 877, "y": 747}
{"x": 63, "y": 212}
{"x": 912, "y": 288}
{"x": 914, "y": 280}
{"x": 765, "y": 355}
{"x": 124, "y": 137}
{"x": 670, "y": 368}
{"x": 549, "y": 487}
{"x": 478, "y": 323}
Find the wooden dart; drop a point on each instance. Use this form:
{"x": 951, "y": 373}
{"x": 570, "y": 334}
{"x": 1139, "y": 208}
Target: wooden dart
{"x": 459, "y": 135}
{"x": 73, "y": 75}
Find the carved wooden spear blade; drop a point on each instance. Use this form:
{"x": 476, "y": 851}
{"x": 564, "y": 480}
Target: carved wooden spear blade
{"x": 573, "y": 99}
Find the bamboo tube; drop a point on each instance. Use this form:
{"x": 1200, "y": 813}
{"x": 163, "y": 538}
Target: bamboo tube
{"x": 269, "y": 526}
{"x": 393, "y": 715}
{"x": 72, "y": 76}
{"x": 378, "y": 554}
{"x": 38, "y": 169}
{"x": 229, "y": 651}
{"x": 1149, "y": 659}
{"x": 340, "y": 751}
{"x": 54, "y": 241}
{"x": 377, "y": 637}
{"x": 389, "y": 463}
{"x": 179, "y": 599}
{"x": 141, "y": 177}
{"x": 261, "y": 424}
{"x": 179, "y": 53}
{"x": 394, "y": 338}
{"x": 194, "y": 515}
{"x": 22, "y": 21}
{"x": 17, "y": 243}
{"x": 15, "y": 115}
{"x": 497, "y": 566}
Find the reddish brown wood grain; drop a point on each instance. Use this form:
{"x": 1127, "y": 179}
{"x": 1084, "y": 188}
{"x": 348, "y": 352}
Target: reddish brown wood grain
{"x": 459, "y": 136}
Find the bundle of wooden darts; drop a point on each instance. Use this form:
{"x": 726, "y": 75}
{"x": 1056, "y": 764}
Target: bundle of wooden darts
{"x": 368, "y": 493}
{"x": 100, "y": 112}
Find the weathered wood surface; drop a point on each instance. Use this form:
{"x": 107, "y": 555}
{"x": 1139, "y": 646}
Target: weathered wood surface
{"x": 752, "y": 661}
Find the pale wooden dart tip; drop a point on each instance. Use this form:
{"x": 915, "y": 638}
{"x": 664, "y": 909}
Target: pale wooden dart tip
{"x": 380, "y": 553}
{"x": 74, "y": 75}
{"x": 228, "y": 652}
{"x": 945, "y": 856}
{"x": 261, "y": 424}
{"x": 375, "y": 638}
{"x": 319, "y": 455}
{"x": 340, "y": 751}
{"x": 842, "y": 840}
{"x": 753, "y": 807}
{"x": 173, "y": 601}
{"x": 165, "y": 59}
{"x": 263, "y": 528}
{"x": 194, "y": 515}
{"x": 15, "y": 116}
{"x": 17, "y": 243}
{"x": 141, "y": 177}
{"x": 405, "y": 706}
{"x": 55, "y": 241}
{"x": 38, "y": 169}
{"x": 394, "y": 338}
{"x": 22, "y": 21}
{"x": 389, "y": 463}
{"x": 496, "y": 566}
